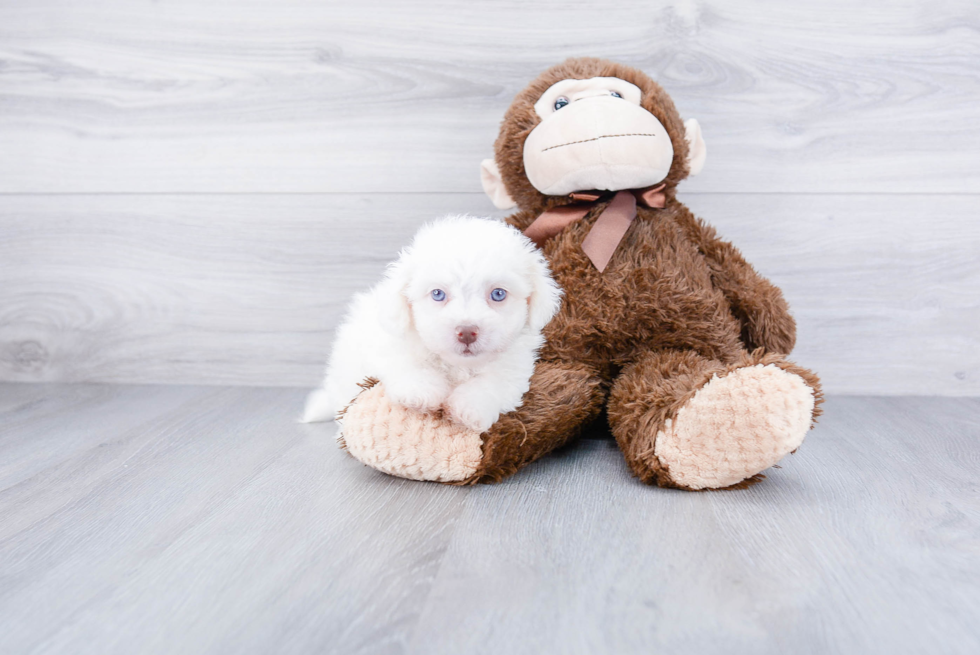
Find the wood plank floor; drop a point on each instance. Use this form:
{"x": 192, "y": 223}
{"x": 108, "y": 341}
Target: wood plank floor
{"x": 158, "y": 519}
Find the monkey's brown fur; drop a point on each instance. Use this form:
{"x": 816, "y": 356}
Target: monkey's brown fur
{"x": 674, "y": 307}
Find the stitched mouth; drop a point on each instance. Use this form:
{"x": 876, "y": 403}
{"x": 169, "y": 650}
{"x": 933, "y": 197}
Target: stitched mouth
{"x": 596, "y": 138}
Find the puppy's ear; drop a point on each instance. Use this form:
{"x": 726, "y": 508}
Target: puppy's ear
{"x": 545, "y": 299}
{"x": 394, "y": 310}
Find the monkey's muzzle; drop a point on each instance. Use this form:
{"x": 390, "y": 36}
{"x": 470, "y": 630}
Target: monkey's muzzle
{"x": 600, "y": 143}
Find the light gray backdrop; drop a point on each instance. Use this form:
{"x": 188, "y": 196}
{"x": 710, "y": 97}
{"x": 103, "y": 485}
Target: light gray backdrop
{"x": 189, "y": 191}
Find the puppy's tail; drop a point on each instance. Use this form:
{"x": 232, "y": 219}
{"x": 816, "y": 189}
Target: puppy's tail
{"x": 319, "y": 407}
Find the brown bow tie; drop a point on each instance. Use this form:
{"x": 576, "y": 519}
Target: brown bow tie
{"x": 601, "y": 241}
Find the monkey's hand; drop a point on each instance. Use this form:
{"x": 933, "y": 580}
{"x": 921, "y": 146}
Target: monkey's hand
{"x": 756, "y": 302}
{"x": 764, "y": 315}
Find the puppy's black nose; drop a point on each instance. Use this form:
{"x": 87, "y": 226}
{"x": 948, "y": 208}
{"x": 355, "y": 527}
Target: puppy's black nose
{"x": 466, "y": 334}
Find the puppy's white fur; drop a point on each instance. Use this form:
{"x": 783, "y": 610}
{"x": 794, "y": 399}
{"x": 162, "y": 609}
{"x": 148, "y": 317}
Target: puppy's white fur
{"x": 398, "y": 333}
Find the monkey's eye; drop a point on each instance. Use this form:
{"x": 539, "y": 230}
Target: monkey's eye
{"x": 614, "y": 94}
{"x": 560, "y": 102}
{"x": 438, "y": 295}
{"x": 498, "y": 295}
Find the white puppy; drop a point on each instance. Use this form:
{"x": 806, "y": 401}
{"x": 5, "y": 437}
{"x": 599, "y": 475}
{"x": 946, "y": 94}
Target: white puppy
{"x": 455, "y": 324}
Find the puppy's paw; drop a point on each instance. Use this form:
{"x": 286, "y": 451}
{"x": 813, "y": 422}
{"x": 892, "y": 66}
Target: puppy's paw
{"x": 424, "y": 391}
{"x": 473, "y": 408}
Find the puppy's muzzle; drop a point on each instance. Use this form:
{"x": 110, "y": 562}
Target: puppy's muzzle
{"x": 466, "y": 334}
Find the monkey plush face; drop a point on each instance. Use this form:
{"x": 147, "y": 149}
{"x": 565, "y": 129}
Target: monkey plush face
{"x": 585, "y": 125}
{"x": 594, "y": 134}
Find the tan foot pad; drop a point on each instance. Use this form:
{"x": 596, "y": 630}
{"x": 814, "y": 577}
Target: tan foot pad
{"x": 736, "y": 426}
{"x": 407, "y": 443}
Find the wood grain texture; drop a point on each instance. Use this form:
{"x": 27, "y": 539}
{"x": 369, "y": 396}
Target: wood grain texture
{"x": 199, "y": 289}
{"x": 383, "y": 96}
{"x": 203, "y": 519}
{"x": 201, "y": 515}
{"x": 247, "y": 289}
{"x": 845, "y": 549}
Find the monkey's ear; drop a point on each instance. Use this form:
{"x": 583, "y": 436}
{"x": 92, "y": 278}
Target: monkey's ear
{"x": 695, "y": 144}
{"x": 493, "y": 185}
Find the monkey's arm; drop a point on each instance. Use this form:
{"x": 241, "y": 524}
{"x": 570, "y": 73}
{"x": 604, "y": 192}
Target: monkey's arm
{"x": 757, "y": 303}
{"x": 563, "y": 398}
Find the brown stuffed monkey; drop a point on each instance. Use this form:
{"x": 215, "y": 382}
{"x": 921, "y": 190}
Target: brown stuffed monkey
{"x": 663, "y": 324}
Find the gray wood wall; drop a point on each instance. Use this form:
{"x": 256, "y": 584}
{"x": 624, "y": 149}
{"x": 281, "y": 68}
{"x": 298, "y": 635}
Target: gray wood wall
{"x": 189, "y": 191}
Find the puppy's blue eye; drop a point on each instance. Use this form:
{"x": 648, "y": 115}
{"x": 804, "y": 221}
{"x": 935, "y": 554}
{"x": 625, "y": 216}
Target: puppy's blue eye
{"x": 438, "y": 295}
{"x": 560, "y": 102}
{"x": 498, "y": 294}
{"x": 614, "y": 94}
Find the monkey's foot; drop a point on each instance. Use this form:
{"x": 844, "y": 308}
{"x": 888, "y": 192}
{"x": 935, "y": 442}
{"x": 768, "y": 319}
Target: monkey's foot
{"x": 735, "y": 427}
{"x": 406, "y": 443}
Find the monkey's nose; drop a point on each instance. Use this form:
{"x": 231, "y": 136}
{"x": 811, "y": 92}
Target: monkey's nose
{"x": 466, "y": 334}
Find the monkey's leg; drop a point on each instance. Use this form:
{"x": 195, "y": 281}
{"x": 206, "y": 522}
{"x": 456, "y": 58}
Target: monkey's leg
{"x": 564, "y": 397}
{"x": 692, "y": 423}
